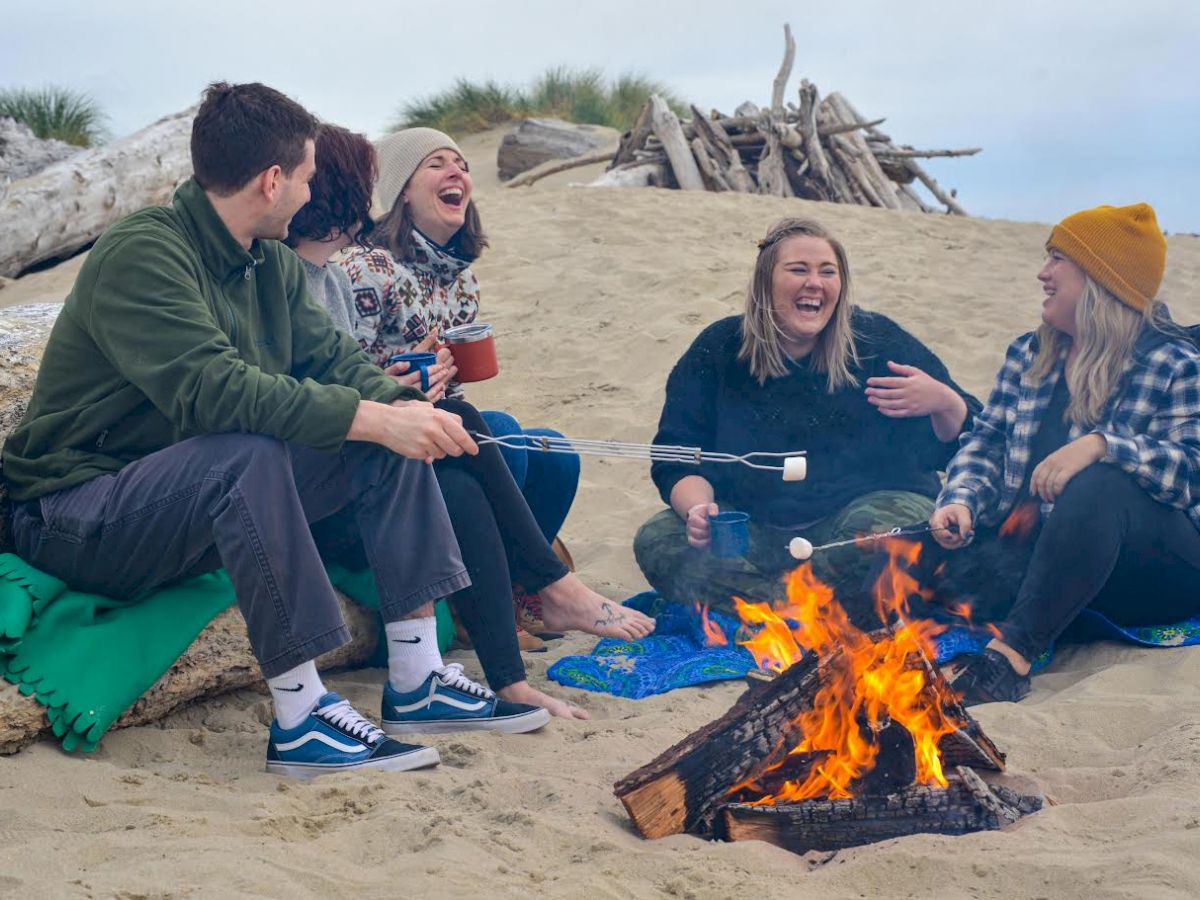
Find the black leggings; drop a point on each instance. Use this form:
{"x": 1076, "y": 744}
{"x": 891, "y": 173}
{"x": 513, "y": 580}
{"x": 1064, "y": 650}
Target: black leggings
{"x": 500, "y": 543}
{"x": 1107, "y": 546}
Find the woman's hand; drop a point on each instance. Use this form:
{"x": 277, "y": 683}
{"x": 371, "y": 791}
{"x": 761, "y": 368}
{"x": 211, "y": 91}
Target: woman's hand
{"x": 1055, "y": 471}
{"x": 957, "y": 518}
{"x": 445, "y": 371}
{"x": 912, "y": 392}
{"x": 699, "y": 533}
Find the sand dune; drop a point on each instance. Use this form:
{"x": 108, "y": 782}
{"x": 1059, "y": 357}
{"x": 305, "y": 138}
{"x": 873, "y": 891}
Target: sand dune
{"x": 594, "y": 294}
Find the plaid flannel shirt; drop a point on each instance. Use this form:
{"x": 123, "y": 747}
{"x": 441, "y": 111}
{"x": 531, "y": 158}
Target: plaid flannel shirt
{"x": 1151, "y": 427}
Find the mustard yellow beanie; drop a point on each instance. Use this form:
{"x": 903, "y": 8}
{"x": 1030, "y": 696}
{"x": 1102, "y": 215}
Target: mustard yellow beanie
{"x": 399, "y": 155}
{"x": 1121, "y": 247}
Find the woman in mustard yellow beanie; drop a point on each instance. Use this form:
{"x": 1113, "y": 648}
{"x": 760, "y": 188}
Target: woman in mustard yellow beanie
{"x": 1081, "y": 478}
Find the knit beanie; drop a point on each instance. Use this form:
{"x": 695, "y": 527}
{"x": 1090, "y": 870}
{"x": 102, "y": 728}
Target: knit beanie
{"x": 1121, "y": 247}
{"x": 399, "y": 155}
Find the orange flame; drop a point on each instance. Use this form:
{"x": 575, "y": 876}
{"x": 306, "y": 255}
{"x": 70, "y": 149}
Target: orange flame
{"x": 713, "y": 635}
{"x": 865, "y": 683}
{"x": 1020, "y": 521}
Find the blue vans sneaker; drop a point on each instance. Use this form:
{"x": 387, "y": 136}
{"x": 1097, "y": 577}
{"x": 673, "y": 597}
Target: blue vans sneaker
{"x": 450, "y": 701}
{"x": 335, "y": 738}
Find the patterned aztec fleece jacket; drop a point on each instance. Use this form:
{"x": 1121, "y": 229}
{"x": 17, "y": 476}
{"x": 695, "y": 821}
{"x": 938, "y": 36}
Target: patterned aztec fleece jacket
{"x": 397, "y": 304}
{"x": 1151, "y": 426}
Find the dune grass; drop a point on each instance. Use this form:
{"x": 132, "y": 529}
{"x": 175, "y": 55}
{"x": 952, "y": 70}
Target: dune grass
{"x": 577, "y": 95}
{"x": 55, "y": 112}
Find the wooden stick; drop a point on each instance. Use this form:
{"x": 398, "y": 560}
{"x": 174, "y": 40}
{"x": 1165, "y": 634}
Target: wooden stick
{"x": 713, "y": 178}
{"x": 942, "y": 197}
{"x": 924, "y": 154}
{"x": 727, "y": 156}
{"x": 772, "y": 176}
{"x": 881, "y": 185}
{"x": 785, "y": 72}
{"x": 809, "y": 132}
{"x": 551, "y": 167}
{"x": 669, "y": 131}
{"x": 634, "y": 139}
{"x": 829, "y": 130}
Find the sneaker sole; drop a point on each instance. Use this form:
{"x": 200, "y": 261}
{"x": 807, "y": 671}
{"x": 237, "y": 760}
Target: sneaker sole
{"x": 417, "y": 759}
{"x": 530, "y": 721}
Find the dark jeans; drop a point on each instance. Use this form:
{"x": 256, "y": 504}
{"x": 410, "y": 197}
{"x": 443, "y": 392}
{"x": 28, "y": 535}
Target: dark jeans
{"x": 244, "y": 502}
{"x": 501, "y": 542}
{"x": 548, "y": 481}
{"x": 1106, "y": 546}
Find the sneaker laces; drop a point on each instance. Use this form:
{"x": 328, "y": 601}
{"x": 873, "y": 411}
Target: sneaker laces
{"x": 452, "y": 675}
{"x": 343, "y": 715}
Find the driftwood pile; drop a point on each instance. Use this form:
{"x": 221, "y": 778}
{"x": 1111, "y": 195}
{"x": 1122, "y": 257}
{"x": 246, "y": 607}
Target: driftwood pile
{"x": 818, "y": 149}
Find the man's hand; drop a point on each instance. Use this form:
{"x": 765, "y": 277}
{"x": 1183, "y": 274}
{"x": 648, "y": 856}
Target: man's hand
{"x": 956, "y": 516}
{"x": 416, "y": 430}
{"x": 699, "y": 532}
{"x": 1055, "y": 471}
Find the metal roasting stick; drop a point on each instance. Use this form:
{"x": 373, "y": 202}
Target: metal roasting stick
{"x": 800, "y": 548}
{"x": 655, "y": 452}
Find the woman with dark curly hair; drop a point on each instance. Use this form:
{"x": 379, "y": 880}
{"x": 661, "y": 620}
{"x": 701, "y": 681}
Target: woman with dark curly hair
{"x": 497, "y": 534}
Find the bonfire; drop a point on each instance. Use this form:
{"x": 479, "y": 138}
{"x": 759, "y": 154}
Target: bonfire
{"x": 851, "y": 736}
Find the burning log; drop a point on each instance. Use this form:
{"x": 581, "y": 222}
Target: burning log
{"x": 818, "y": 150}
{"x": 967, "y": 804}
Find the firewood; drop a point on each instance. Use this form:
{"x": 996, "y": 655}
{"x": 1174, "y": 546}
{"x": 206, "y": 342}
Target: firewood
{"x": 683, "y": 164}
{"x": 967, "y": 805}
{"x": 945, "y": 199}
{"x": 679, "y": 790}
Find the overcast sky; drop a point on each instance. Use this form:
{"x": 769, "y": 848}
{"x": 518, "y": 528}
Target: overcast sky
{"x": 1075, "y": 102}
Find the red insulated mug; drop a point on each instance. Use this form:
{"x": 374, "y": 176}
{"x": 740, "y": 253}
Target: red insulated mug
{"x": 474, "y": 350}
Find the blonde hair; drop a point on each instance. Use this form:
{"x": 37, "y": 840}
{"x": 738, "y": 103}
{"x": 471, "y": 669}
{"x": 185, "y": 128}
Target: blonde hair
{"x": 1106, "y": 331}
{"x": 835, "y": 350}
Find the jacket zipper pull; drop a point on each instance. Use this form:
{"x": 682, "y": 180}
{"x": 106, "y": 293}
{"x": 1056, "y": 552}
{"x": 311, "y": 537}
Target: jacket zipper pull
{"x": 249, "y": 267}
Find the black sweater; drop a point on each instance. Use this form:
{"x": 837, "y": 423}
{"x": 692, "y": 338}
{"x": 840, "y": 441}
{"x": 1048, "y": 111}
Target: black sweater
{"x": 714, "y": 403}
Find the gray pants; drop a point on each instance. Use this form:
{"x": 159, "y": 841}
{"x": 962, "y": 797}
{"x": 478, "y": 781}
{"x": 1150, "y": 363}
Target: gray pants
{"x": 683, "y": 574}
{"x": 245, "y": 502}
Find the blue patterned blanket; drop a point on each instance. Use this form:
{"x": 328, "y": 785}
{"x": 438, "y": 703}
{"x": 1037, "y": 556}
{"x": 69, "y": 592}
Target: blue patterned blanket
{"x": 675, "y": 655}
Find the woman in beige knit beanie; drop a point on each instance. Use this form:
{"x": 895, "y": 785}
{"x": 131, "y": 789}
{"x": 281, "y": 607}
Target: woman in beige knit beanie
{"x": 1082, "y": 475}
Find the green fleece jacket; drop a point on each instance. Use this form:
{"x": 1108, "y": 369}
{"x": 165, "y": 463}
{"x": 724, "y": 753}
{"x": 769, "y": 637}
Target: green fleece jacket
{"x": 174, "y": 330}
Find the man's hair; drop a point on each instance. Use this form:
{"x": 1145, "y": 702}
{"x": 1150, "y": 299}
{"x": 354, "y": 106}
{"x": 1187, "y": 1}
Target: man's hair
{"x": 242, "y": 129}
{"x": 341, "y": 189}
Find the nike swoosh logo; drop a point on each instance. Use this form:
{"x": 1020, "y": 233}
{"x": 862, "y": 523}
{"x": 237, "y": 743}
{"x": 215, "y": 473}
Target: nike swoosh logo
{"x": 415, "y": 640}
{"x": 298, "y": 687}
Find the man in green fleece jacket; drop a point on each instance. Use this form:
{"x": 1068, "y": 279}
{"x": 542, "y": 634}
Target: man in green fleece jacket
{"x": 195, "y": 408}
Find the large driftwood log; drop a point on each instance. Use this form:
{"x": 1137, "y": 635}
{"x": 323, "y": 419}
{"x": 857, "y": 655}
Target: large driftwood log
{"x": 218, "y": 661}
{"x": 808, "y": 130}
{"x": 880, "y": 184}
{"x": 679, "y": 154}
{"x": 725, "y": 156}
{"x": 69, "y": 204}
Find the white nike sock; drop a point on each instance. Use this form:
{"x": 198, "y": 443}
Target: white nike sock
{"x": 296, "y": 693}
{"x": 412, "y": 652}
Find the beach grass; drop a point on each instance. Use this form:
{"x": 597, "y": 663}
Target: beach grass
{"x": 56, "y": 113}
{"x": 583, "y": 96}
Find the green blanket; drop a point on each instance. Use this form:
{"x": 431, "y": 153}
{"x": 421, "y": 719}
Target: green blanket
{"x": 87, "y": 658}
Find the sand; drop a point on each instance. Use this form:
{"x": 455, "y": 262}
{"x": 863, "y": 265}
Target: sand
{"x": 594, "y": 295}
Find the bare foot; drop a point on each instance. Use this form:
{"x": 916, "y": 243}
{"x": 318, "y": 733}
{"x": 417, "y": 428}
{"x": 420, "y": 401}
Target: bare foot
{"x": 521, "y": 692}
{"x": 569, "y": 604}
